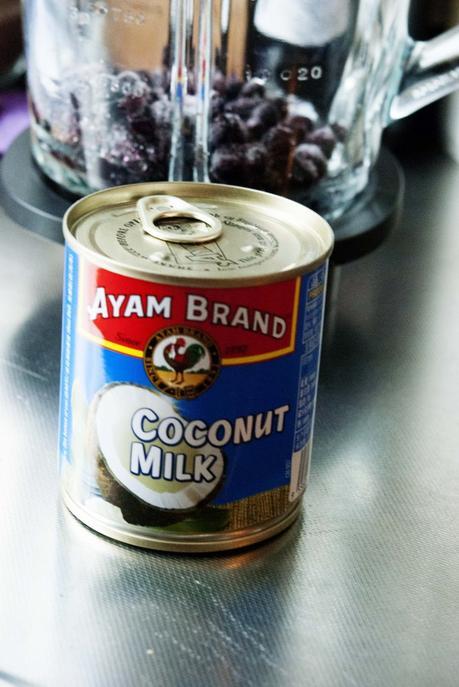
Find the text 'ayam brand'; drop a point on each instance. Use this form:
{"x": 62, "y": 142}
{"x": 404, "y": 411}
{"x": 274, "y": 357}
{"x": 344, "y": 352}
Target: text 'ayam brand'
{"x": 198, "y": 309}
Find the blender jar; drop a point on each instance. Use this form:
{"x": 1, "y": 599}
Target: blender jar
{"x": 288, "y": 97}
{"x": 99, "y": 79}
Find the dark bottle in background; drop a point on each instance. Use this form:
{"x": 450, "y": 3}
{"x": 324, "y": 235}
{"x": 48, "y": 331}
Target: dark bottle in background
{"x": 10, "y": 39}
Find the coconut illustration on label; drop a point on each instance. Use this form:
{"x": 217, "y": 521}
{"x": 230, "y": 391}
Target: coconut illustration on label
{"x": 149, "y": 449}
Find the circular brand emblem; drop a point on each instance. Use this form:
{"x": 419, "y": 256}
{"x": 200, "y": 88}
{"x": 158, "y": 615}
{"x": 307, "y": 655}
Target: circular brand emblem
{"x": 181, "y": 362}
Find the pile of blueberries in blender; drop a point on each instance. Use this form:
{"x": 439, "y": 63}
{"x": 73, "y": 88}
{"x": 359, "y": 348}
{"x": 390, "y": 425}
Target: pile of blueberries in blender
{"x": 256, "y": 139}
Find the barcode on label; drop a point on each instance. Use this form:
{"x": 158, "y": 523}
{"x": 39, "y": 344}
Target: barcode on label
{"x": 299, "y": 471}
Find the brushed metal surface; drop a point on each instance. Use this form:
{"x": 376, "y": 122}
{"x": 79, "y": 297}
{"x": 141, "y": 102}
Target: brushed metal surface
{"x": 362, "y": 591}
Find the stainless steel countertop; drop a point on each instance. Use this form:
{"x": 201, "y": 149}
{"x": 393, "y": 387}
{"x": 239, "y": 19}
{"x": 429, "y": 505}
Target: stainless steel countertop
{"x": 362, "y": 591}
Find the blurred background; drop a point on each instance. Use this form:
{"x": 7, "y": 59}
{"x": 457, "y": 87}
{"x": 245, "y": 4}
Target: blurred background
{"x": 435, "y": 126}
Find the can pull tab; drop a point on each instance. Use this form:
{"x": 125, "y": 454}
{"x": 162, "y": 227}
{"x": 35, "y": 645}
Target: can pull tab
{"x": 155, "y": 211}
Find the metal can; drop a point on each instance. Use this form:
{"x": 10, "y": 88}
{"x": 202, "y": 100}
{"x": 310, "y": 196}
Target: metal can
{"x": 192, "y": 320}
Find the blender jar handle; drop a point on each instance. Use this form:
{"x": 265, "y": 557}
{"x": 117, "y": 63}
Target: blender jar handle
{"x": 431, "y": 72}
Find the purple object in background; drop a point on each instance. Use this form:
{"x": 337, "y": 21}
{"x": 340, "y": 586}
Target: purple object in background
{"x": 14, "y": 116}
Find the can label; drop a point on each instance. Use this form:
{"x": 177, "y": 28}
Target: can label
{"x": 188, "y": 409}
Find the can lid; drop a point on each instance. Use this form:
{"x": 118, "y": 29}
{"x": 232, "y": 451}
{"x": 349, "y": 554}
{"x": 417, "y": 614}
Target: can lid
{"x": 193, "y": 233}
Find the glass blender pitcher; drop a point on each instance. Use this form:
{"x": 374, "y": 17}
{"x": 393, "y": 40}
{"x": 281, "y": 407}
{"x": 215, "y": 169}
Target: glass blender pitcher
{"x": 288, "y": 97}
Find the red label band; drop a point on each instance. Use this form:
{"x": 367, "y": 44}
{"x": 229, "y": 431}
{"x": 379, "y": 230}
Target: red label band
{"x": 247, "y": 323}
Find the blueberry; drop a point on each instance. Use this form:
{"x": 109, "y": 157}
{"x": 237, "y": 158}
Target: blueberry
{"x": 219, "y": 83}
{"x": 241, "y": 106}
{"x": 340, "y": 131}
{"x": 131, "y": 104}
{"x": 157, "y": 166}
{"x": 147, "y": 77}
{"x": 227, "y": 128}
{"x": 279, "y": 141}
{"x": 309, "y": 163}
{"x": 143, "y": 126}
{"x": 263, "y": 117}
{"x": 255, "y": 127}
{"x": 241, "y": 165}
{"x": 255, "y": 158}
{"x": 110, "y": 174}
{"x": 228, "y": 165}
{"x": 154, "y": 95}
{"x": 153, "y": 86}
{"x": 274, "y": 180}
{"x": 281, "y": 105}
{"x": 233, "y": 88}
{"x": 254, "y": 88}
{"x": 300, "y": 125}
{"x": 268, "y": 114}
{"x": 162, "y": 142}
{"x": 324, "y": 138}
{"x": 127, "y": 155}
{"x": 217, "y": 104}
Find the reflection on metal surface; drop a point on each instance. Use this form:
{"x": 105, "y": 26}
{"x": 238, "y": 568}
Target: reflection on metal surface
{"x": 165, "y": 592}
{"x": 8, "y": 679}
{"x": 73, "y": 533}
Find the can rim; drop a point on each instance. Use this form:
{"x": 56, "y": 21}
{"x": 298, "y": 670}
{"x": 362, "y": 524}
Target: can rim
{"x": 130, "y": 193}
{"x": 189, "y": 544}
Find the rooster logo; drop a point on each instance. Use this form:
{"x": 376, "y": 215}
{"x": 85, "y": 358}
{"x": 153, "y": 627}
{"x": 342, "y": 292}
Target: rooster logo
{"x": 181, "y": 362}
{"x": 181, "y": 357}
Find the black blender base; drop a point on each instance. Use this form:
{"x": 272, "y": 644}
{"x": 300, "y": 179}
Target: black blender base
{"x": 373, "y": 214}
{"x": 36, "y": 204}
{"x": 26, "y": 197}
